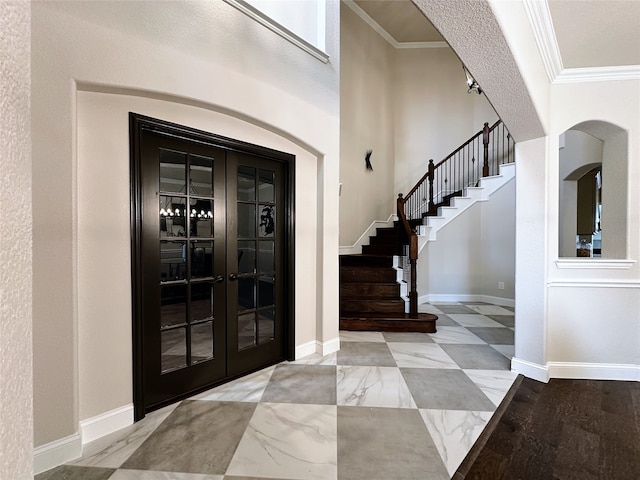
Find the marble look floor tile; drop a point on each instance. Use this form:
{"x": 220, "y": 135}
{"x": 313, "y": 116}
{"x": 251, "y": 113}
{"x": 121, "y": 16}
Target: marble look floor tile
{"x": 347, "y": 336}
{"x": 508, "y": 351}
{"x": 494, "y": 383}
{"x": 74, "y": 472}
{"x": 421, "y": 355}
{"x": 408, "y": 337}
{"x": 458, "y": 309}
{"x": 316, "y": 359}
{"x": 445, "y": 321}
{"x": 373, "y": 387}
{"x": 456, "y": 335}
{"x": 477, "y": 357}
{"x": 385, "y": 444}
{"x": 429, "y": 308}
{"x": 454, "y": 432}
{"x": 302, "y": 384}
{"x": 289, "y": 441}
{"x": 365, "y": 354}
{"x": 490, "y": 310}
{"x": 475, "y": 320}
{"x": 242, "y": 477}
{"x": 154, "y": 475}
{"x": 245, "y": 389}
{"x": 493, "y": 335}
{"x": 445, "y": 389}
{"x": 506, "y": 320}
{"x": 198, "y": 437}
{"x": 113, "y": 450}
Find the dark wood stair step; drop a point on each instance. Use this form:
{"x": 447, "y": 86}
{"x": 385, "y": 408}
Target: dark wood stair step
{"x": 370, "y": 322}
{"x": 367, "y": 274}
{"x": 386, "y": 231}
{"x": 392, "y": 241}
{"x": 390, "y": 289}
{"x": 382, "y": 249}
{"x": 366, "y": 260}
{"x": 356, "y": 306}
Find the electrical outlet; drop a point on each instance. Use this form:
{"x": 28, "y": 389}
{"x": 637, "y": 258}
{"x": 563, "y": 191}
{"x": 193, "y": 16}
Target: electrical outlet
{"x": 500, "y": 285}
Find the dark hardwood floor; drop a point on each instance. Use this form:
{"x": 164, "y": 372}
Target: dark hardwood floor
{"x": 565, "y": 429}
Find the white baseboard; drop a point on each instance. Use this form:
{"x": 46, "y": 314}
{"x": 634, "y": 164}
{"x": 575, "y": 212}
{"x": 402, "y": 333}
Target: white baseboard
{"x": 459, "y": 297}
{"x": 108, "y": 422}
{"x": 56, "y": 453}
{"x": 323, "y": 348}
{"x": 364, "y": 238}
{"x": 594, "y": 371}
{"x": 530, "y": 370}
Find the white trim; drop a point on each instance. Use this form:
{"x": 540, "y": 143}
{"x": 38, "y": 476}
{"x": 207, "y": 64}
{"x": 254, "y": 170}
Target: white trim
{"x": 545, "y": 36}
{"x": 275, "y": 27}
{"x": 595, "y": 284}
{"x": 369, "y": 232}
{"x": 594, "y": 371}
{"x": 464, "y": 297}
{"x": 598, "y": 74}
{"x": 314, "y": 346}
{"x": 56, "y": 453}
{"x": 108, "y": 422}
{"x": 530, "y": 369}
{"x": 307, "y": 349}
{"x": 384, "y": 34}
{"x": 595, "y": 263}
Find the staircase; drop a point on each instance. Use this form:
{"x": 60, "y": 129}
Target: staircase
{"x": 372, "y": 294}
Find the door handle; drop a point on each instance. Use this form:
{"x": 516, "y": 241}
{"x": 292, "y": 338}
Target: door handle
{"x": 218, "y": 279}
{"x": 232, "y": 276}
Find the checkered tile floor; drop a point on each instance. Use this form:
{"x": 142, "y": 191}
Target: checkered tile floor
{"x": 386, "y": 406}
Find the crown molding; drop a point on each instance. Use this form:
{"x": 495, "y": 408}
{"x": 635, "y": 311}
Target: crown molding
{"x": 384, "y": 34}
{"x": 545, "y": 36}
{"x": 598, "y": 74}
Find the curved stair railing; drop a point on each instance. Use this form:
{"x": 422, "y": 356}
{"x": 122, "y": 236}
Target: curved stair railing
{"x": 447, "y": 179}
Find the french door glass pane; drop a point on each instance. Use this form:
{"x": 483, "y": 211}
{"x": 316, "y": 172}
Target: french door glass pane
{"x": 265, "y": 291}
{"x": 266, "y": 325}
{"x": 173, "y": 221}
{"x": 265, "y": 186}
{"x": 201, "y": 301}
{"x": 246, "y": 220}
{"x": 201, "y": 342}
{"x": 201, "y": 176}
{"x": 173, "y": 167}
{"x": 201, "y": 218}
{"x": 246, "y": 293}
{"x": 267, "y": 220}
{"x": 246, "y": 184}
{"x": 266, "y": 261}
{"x": 246, "y": 330}
{"x": 201, "y": 259}
{"x": 246, "y": 256}
{"x": 173, "y": 261}
{"x": 173, "y": 347}
{"x": 173, "y": 305}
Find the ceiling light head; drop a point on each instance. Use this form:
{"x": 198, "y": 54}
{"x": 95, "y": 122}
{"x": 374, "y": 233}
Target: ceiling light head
{"x": 472, "y": 85}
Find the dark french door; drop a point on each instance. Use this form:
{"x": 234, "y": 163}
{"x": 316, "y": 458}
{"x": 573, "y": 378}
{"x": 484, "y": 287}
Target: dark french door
{"x": 211, "y": 253}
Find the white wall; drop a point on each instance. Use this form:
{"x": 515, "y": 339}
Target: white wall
{"x": 366, "y": 122}
{"x": 16, "y": 374}
{"x": 473, "y": 252}
{"x": 92, "y": 63}
{"x": 407, "y": 105}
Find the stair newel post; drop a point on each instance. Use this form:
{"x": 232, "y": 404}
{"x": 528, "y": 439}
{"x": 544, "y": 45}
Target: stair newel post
{"x": 485, "y": 144}
{"x": 430, "y": 176}
{"x": 413, "y": 261}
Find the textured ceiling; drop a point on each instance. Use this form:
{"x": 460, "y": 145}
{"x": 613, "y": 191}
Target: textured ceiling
{"x": 401, "y": 19}
{"x": 589, "y": 33}
{"x": 597, "y": 33}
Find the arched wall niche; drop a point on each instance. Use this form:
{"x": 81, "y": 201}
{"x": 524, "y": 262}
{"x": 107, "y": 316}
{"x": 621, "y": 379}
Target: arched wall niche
{"x": 586, "y": 149}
